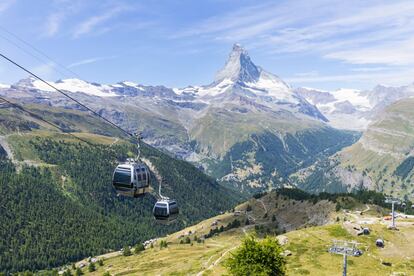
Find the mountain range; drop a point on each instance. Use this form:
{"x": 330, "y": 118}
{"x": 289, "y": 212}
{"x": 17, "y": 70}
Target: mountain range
{"x": 354, "y": 109}
{"x": 381, "y": 160}
{"x": 247, "y": 128}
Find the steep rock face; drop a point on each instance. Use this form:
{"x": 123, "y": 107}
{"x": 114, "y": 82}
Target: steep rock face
{"x": 239, "y": 67}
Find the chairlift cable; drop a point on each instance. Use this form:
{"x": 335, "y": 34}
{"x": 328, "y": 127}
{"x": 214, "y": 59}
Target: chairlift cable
{"x": 38, "y": 117}
{"x": 66, "y": 95}
{"x": 39, "y": 52}
{"x": 136, "y": 135}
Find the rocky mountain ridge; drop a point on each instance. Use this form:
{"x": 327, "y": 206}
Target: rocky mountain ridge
{"x": 247, "y": 126}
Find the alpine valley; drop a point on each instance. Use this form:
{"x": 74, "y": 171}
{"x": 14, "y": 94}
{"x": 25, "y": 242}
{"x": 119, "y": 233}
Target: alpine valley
{"x": 250, "y": 130}
{"x": 214, "y": 145}
{"x": 247, "y": 128}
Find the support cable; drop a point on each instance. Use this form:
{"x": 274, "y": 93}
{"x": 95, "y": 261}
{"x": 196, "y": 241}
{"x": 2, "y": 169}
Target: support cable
{"x": 66, "y": 95}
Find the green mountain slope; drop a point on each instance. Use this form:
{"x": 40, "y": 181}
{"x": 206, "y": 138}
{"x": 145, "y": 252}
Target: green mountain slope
{"x": 305, "y": 225}
{"x": 381, "y": 160}
{"x": 258, "y": 151}
{"x": 247, "y": 128}
{"x": 64, "y": 208}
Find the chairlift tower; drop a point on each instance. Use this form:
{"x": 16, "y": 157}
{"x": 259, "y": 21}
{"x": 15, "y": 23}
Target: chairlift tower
{"x": 345, "y": 248}
{"x": 393, "y": 201}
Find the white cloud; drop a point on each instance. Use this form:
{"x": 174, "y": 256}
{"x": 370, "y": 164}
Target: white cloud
{"x": 61, "y": 11}
{"x": 46, "y": 70}
{"x": 313, "y": 73}
{"x": 53, "y": 23}
{"x": 361, "y": 32}
{"x": 396, "y": 77}
{"x": 392, "y": 53}
{"x": 90, "y": 24}
{"x": 89, "y": 61}
{"x": 5, "y": 4}
{"x": 369, "y": 69}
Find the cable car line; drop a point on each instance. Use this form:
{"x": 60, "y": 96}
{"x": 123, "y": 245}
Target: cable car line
{"x": 46, "y": 57}
{"x": 165, "y": 209}
{"x": 65, "y": 94}
{"x": 131, "y": 178}
{"x": 32, "y": 55}
{"x": 38, "y": 117}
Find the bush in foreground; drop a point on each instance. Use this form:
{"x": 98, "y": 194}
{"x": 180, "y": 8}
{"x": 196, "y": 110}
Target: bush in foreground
{"x": 257, "y": 258}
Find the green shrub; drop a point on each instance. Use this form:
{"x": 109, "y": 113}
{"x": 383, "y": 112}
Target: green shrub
{"x": 257, "y": 258}
{"x": 139, "y": 248}
{"x": 78, "y": 272}
{"x": 163, "y": 244}
{"x": 126, "y": 251}
{"x": 91, "y": 267}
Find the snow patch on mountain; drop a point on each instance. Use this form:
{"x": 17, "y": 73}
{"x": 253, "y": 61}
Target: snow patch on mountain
{"x": 354, "y": 96}
{"x": 133, "y": 84}
{"x": 345, "y": 108}
{"x": 271, "y": 85}
{"x": 71, "y": 85}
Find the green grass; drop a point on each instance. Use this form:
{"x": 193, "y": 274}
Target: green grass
{"x": 309, "y": 247}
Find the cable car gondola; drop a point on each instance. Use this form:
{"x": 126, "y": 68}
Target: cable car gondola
{"x": 131, "y": 179}
{"x": 165, "y": 210}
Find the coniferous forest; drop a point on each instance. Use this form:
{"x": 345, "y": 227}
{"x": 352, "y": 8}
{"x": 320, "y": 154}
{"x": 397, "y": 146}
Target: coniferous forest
{"x": 66, "y": 209}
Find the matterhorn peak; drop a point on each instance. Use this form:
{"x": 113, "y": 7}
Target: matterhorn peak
{"x": 238, "y": 67}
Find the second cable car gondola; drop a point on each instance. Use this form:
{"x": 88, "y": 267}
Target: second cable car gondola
{"x": 165, "y": 210}
{"x": 131, "y": 179}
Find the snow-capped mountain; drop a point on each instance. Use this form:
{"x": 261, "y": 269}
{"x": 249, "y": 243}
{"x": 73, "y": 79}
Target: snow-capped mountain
{"x": 69, "y": 85}
{"x": 241, "y": 79}
{"x": 247, "y": 126}
{"x": 351, "y": 108}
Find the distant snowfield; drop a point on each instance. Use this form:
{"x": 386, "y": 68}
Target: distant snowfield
{"x": 76, "y": 85}
{"x": 345, "y": 108}
{"x": 353, "y": 96}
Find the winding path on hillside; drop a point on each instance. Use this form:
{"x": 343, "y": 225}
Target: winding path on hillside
{"x": 216, "y": 262}
{"x": 114, "y": 142}
{"x": 264, "y": 206}
{"x": 6, "y": 146}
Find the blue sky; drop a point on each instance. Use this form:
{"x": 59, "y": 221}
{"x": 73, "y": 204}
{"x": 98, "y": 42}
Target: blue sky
{"x": 323, "y": 44}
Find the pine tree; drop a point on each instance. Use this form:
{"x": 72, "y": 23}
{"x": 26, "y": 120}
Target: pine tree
{"x": 91, "y": 267}
{"x": 139, "y": 248}
{"x": 127, "y": 251}
{"x": 78, "y": 272}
